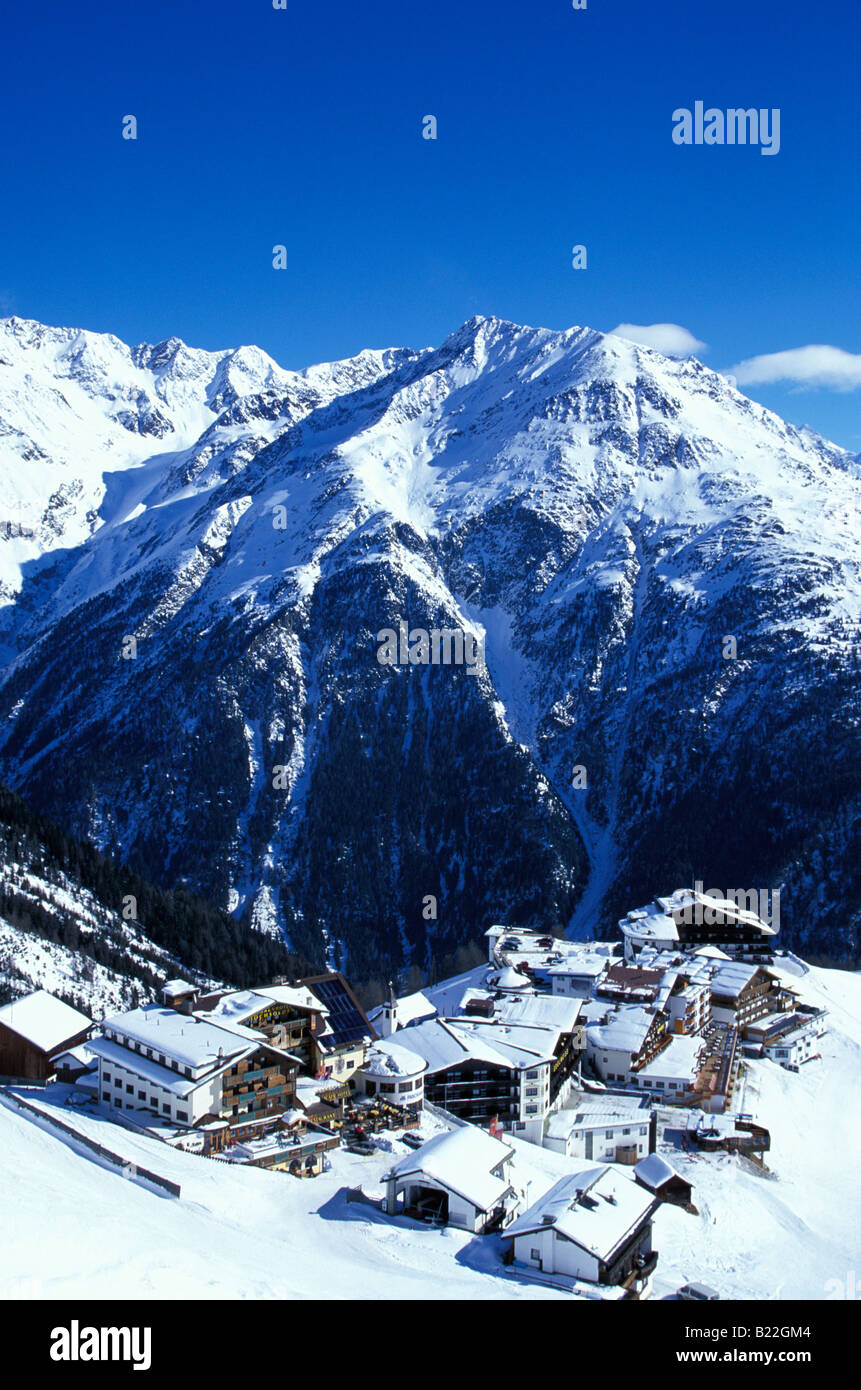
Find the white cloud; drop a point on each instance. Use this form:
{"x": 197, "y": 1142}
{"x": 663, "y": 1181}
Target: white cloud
{"x": 669, "y": 338}
{"x": 815, "y": 365}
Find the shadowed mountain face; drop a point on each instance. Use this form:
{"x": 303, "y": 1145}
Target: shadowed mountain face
{"x": 665, "y": 576}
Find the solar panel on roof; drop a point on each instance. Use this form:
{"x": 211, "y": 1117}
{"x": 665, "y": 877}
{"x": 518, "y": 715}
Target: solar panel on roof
{"x": 345, "y": 1021}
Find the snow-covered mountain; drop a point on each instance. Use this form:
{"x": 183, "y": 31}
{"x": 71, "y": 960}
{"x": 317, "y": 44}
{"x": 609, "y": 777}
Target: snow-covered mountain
{"x": 606, "y": 517}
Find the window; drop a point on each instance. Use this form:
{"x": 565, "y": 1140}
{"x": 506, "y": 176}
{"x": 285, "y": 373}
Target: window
{"x": 117, "y": 1081}
{"x": 535, "y": 1254}
{"x": 130, "y": 1090}
{"x": 106, "y": 1076}
{"x": 371, "y": 1088}
{"x": 608, "y": 1134}
{"x": 531, "y": 1075}
{"x": 166, "y": 1108}
{"x": 118, "y": 1100}
{"x": 106, "y": 1095}
{"x": 153, "y": 1102}
{"x": 531, "y": 1109}
{"x": 141, "y": 1095}
{"x": 161, "y": 1058}
{"x": 386, "y": 1088}
{"x": 626, "y": 1131}
{"x": 643, "y": 1130}
{"x": 182, "y": 1114}
{"x": 532, "y": 1090}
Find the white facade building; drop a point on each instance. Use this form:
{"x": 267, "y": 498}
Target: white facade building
{"x": 612, "y": 1129}
{"x": 593, "y": 1225}
{"x": 392, "y": 1074}
{"x": 461, "y": 1178}
{"x": 789, "y": 1038}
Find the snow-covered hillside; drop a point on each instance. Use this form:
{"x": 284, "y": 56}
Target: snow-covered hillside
{"x": 667, "y": 575}
{"x": 74, "y": 1228}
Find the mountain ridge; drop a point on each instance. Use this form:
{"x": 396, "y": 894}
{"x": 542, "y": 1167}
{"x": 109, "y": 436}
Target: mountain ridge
{"x": 606, "y": 515}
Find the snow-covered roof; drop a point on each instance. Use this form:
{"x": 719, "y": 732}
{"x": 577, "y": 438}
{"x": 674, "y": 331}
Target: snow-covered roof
{"x": 602, "y": 1110}
{"x": 409, "y": 1008}
{"x": 235, "y": 1007}
{"x": 387, "y": 1059}
{"x": 678, "y": 1059}
{"x": 154, "y": 1072}
{"x": 178, "y": 987}
{"x": 597, "y": 1208}
{"x": 731, "y": 976}
{"x": 81, "y": 1056}
{"x": 548, "y": 1010}
{"x": 657, "y": 921}
{"x": 626, "y": 1028}
{"x": 462, "y": 1160}
{"x": 187, "y": 1039}
{"x": 446, "y": 1042}
{"x": 44, "y": 1021}
{"x": 653, "y": 1171}
{"x": 298, "y": 996}
{"x": 510, "y": 978}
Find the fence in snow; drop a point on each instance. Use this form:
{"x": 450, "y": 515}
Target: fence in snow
{"x": 133, "y": 1169}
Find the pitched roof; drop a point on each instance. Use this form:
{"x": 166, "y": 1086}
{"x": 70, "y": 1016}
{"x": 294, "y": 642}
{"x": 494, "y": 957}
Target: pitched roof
{"x": 447, "y": 1042}
{"x": 462, "y": 1160}
{"x": 654, "y": 1171}
{"x": 596, "y": 1207}
{"x": 346, "y": 1021}
{"x": 187, "y": 1039}
{"x": 626, "y": 1029}
{"x": 43, "y": 1020}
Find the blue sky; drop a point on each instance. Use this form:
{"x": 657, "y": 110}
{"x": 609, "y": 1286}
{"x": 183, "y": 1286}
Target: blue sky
{"x": 302, "y": 127}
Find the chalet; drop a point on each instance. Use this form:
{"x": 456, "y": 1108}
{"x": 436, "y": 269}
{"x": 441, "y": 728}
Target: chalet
{"x": 630, "y": 984}
{"x": 290, "y": 1016}
{"x": 623, "y": 1039}
{"x": 76, "y": 1064}
{"x": 460, "y": 1178}
{"x": 613, "y": 1129}
{"x": 741, "y": 993}
{"x": 187, "y": 1071}
{"x": 179, "y": 995}
{"x": 659, "y": 1177}
{"x": 36, "y": 1029}
{"x": 338, "y": 1049}
{"x": 594, "y": 1225}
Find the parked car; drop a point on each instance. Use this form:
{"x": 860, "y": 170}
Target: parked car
{"x": 698, "y": 1293}
{"x": 412, "y": 1141}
